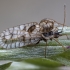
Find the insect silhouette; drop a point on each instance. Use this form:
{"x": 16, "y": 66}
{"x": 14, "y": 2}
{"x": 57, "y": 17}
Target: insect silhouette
{"x": 31, "y": 33}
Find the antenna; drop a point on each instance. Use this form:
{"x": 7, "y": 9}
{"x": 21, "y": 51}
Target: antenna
{"x": 64, "y": 16}
{"x": 65, "y": 19}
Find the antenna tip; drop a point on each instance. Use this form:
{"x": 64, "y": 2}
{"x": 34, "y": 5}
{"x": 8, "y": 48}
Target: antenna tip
{"x": 64, "y": 5}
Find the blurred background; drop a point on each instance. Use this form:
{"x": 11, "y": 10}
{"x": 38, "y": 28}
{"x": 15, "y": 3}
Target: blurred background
{"x": 16, "y": 12}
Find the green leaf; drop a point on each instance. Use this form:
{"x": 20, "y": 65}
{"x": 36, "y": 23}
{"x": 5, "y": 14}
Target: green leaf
{"x": 43, "y": 62}
{"x": 5, "y": 66}
{"x": 65, "y": 54}
{"x": 62, "y": 57}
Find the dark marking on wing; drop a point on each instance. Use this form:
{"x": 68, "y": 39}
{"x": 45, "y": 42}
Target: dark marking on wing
{"x": 31, "y": 29}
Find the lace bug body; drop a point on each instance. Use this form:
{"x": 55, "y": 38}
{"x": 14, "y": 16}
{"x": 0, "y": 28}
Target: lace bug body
{"x": 28, "y": 34}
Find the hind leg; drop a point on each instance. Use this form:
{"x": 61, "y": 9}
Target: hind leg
{"x": 60, "y": 44}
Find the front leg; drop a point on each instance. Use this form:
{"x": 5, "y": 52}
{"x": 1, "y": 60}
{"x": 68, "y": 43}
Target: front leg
{"x": 45, "y": 48}
{"x": 59, "y": 43}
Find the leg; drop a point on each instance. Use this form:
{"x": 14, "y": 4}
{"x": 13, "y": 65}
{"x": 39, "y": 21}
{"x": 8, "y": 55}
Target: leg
{"x": 67, "y": 36}
{"x": 45, "y": 48}
{"x": 60, "y": 44}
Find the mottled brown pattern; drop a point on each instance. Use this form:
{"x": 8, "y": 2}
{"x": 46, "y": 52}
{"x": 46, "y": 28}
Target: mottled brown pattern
{"x": 47, "y": 25}
{"x": 19, "y": 36}
{"x": 27, "y": 34}
{"x": 31, "y": 29}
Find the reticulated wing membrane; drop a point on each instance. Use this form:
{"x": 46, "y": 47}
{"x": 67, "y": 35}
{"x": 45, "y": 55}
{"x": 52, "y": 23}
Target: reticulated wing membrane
{"x": 17, "y": 36}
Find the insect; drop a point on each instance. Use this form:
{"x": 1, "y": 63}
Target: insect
{"x": 30, "y": 34}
